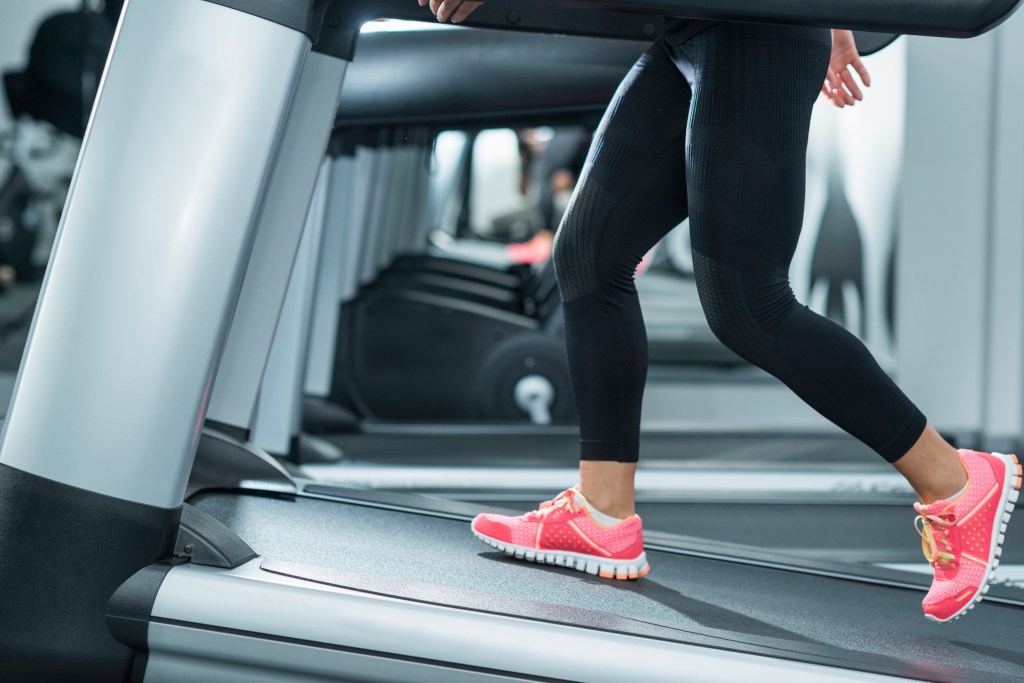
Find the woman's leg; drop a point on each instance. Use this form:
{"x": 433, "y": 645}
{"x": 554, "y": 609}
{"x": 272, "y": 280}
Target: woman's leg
{"x": 631, "y": 193}
{"x": 755, "y": 87}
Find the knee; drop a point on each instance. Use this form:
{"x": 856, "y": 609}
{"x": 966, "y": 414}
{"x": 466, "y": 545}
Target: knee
{"x": 564, "y": 257}
{"x": 741, "y": 311}
{"x": 576, "y": 248}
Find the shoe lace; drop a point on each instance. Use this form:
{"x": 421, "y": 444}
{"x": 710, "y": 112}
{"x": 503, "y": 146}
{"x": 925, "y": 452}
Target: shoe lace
{"x": 935, "y": 543}
{"x": 566, "y": 500}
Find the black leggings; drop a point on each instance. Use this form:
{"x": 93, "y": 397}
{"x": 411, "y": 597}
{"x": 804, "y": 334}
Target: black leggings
{"x": 715, "y": 129}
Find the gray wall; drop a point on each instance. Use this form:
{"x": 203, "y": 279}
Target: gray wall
{"x": 960, "y": 293}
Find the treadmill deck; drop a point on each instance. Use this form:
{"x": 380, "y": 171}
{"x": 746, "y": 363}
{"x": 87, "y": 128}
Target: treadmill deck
{"x": 429, "y": 555}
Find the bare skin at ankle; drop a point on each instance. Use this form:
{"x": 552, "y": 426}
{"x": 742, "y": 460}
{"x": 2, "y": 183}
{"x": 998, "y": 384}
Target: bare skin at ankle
{"x": 609, "y": 486}
{"x": 932, "y": 467}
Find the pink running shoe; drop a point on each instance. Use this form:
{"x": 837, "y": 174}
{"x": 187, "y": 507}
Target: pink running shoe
{"x": 562, "y": 532}
{"x": 961, "y": 536}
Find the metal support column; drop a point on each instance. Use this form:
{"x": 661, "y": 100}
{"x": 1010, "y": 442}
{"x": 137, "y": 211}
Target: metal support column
{"x": 277, "y": 243}
{"x": 279, "y": 413}
{"x": 131, "y": 321}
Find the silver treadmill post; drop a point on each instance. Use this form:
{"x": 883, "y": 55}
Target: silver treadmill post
{"x": 131, "y": 321}
{"x": 370, "y": 262}
{"x": 277, "y": 244}
{"x": 279, "y": 412}
{"x": 346, "y": 231}
{"x": 150, "y": 256}
{"x": 338, "y": 229}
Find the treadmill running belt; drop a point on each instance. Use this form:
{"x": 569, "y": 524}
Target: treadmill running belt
{"x": 553, "y": 449}
{"x": 797, "y": 616}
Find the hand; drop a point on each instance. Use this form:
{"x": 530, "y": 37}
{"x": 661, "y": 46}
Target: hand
{"x": 454, "y": 10}
{"x": 840, "y": 85}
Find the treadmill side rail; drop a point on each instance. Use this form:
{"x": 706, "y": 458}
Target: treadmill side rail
{"x": 249, "y": 624}
{"x": 131, "y": 606}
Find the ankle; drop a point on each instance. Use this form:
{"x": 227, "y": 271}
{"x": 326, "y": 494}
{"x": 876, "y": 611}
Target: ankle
{"x": 933, "y": 468}
{"x": 950, "y": 487}
{"x": 608, "y": 486}
{"x": 618, "y": 507}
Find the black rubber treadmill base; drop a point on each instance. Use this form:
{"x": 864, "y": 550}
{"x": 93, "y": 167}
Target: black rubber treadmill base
{"x": 394, "y": 544}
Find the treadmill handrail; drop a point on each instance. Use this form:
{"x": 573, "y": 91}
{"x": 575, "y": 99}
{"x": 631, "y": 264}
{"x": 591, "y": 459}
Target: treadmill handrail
{"x": 950, "y": 18}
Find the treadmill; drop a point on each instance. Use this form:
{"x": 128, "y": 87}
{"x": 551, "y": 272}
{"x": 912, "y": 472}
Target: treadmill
{"x": 105, "y": 574}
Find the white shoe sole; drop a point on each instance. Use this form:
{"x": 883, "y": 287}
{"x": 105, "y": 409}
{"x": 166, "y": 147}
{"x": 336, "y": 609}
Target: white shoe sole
{"x": 598, "y": 566}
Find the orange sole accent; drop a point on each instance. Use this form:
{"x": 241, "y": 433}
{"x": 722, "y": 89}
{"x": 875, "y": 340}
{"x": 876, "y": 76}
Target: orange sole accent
{"x": 632, "y": 576}
{"x": 1015, "y": 460}
{"x": 644, "y": 571}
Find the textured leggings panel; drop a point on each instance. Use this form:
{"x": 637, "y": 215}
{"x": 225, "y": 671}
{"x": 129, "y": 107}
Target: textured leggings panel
{"x": 636, "y": 154}
{"x": 715, "y": 129}
{"x": 728, "y": 306}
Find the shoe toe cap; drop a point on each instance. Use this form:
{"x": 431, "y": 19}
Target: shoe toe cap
{"x": 943, "y": 605}
{"x": 493, "y": 526}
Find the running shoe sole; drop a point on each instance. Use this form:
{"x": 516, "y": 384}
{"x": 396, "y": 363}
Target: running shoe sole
{"x": 609, "y": 569}
{"x": 1011, "y": 492}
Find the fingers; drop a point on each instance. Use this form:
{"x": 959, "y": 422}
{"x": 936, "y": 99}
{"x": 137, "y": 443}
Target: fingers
{"x": 446, "y": 9}
{"x": 862, "y": 70}
{"x": 827, "y": 92}
{"x": 455, "y": 11}
{"x": 832, "y": 93}
{"x": 840, "y": 91}
{"x": 464, "y": 11}
{"x": 851, "y": 84}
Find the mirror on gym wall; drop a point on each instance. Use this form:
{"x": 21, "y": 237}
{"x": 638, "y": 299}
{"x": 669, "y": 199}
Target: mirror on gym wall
{"x": 844, "y": 266}
{"x": 844, "y": 263}
{"x": 510, "y": 186}
{"x": 506, "y": 185}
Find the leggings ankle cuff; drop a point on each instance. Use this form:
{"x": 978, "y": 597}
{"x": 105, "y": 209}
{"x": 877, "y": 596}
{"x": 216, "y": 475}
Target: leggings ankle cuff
{"x": 610, "y": 451}
{"x": 905, "y": 438}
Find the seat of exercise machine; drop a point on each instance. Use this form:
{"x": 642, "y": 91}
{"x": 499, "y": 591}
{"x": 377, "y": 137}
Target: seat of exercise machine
{"x": 536, "y": 296}
{"x": 503, "y": 297}
{"x": 514, "y": 277}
